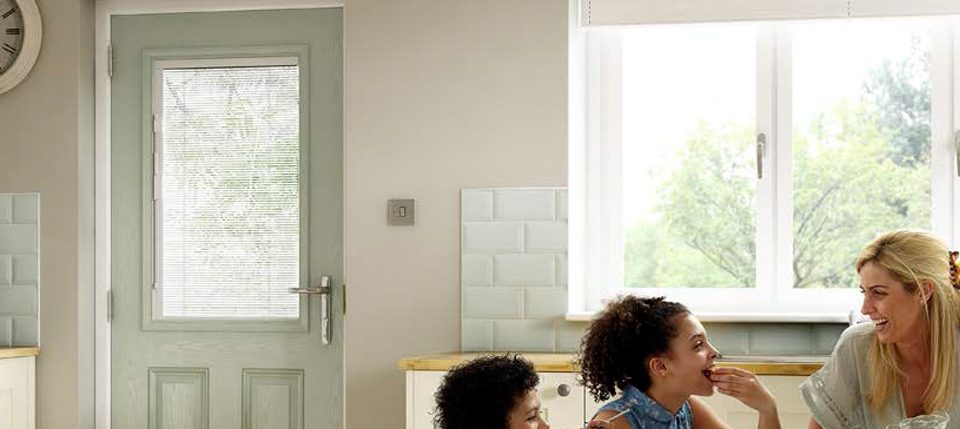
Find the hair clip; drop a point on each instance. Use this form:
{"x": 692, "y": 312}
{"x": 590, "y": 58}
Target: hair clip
{"x": 954, "y": 274}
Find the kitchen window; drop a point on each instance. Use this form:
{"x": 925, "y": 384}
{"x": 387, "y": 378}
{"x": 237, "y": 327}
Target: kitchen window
{"x": 740, "y": 167}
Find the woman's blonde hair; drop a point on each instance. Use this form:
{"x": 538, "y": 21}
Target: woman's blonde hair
{"x": 914, "y": 258}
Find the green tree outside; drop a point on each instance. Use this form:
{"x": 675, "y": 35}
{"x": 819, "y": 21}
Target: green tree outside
{"x": 859, "y": 169}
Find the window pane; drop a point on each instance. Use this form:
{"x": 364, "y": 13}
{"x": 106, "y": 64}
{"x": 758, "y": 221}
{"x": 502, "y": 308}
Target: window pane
{"x": 230, "y": 205}
{"x": 689, "y": 167}
{"x": 861, "y": 141}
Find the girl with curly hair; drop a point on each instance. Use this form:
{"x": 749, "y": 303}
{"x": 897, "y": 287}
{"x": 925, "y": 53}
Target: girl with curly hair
{"x": 656, "y": 354}
{"x": 490, "y": 392}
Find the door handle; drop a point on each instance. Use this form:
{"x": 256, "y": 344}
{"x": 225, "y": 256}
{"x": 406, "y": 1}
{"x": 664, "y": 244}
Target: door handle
{"x": 311, "y": 290}
{"x": 324, "y": 290}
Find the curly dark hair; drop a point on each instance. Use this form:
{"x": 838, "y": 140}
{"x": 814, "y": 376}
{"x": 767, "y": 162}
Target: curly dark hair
{"x": 481, "y": 393}
{"x": 615, "y": 350}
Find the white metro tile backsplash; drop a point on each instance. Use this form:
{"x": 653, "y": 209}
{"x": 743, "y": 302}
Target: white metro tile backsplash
{"x": 513, "y": 271}
{"x": 492, "y": 237}
{"x": 476, "y": 270}
{"x": 6, "y": 208}
{"x": 6, "y": 270}
{"x": 524, "y": 270}
{"x": 19, "y": 268}
{"x": 514, "y": 283}
{"x": 525, "y": 204}
{"x": 492, "y": 303}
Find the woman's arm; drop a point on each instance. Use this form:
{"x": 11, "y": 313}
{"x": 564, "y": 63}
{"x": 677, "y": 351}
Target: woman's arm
{"x": 703, "y": 416}
{"x": 813, "y": 424}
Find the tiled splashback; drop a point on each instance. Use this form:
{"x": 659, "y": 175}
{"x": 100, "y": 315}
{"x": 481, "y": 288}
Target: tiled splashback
{"x": 514, "y": 283}
{"x": 513, "y": 270}
{"x": 19, "y": 263}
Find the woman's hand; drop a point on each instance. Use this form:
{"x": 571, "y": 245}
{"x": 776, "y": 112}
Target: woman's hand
{"x": 744, "y": 386}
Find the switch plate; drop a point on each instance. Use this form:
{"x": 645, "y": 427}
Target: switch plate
{"x": 401, "y": 211}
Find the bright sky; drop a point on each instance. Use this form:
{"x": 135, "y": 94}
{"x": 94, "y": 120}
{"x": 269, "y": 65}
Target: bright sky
{"x": 676, "y": 76}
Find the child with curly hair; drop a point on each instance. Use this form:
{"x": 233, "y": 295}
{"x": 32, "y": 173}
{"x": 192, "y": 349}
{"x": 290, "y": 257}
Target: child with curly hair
{"x": 490, "y": 392}
{"x": 656, "y": 354}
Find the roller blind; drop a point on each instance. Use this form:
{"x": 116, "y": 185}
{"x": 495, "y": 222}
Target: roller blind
{"x": 628, "y": 12}
{"x": 229, "y": 192}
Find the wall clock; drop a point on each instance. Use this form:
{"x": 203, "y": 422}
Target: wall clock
{"x": 20, "y": 34}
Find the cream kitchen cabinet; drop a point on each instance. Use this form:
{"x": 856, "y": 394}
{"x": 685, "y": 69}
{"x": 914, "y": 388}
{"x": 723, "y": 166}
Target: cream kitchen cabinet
{"x": 793, "y": 413}
{"x": 568, "y": 404}
{"x": 17, "y": 389}
{"x": 560, "y": 397}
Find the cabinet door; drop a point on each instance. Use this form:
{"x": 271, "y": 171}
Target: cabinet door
{"x": 420, "y": 403}
{"x": 17, "y": 393}
{"x": 786, "y": 389}
{"x": 793, "y": 413}
{"x": 560, "y": 398}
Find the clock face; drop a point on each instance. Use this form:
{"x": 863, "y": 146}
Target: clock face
{"x": 11, "y": 33}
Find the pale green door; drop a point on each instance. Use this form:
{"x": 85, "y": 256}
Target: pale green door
{"x": 226, "y": 194}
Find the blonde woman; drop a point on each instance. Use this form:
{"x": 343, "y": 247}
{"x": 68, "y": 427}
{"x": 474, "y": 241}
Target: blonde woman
{"x": 904, "y": 363}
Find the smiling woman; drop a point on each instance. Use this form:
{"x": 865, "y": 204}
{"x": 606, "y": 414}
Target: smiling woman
{"x": 911, "y": 297}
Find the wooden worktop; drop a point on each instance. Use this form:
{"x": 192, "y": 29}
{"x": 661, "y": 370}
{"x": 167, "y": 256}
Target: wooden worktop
{"x": 12, "y": 352}
{"x": 564, "y": 362}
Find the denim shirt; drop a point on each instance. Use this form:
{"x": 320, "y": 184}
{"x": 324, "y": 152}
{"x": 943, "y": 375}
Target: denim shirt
{"x": 645, "y": 413}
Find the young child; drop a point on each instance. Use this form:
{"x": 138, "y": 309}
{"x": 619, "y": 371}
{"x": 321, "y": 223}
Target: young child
{"x": 491, "y": 392}
{"x": 657, "y": 355}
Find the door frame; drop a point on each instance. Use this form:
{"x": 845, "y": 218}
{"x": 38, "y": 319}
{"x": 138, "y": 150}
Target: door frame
{"x": 104, "y": 11}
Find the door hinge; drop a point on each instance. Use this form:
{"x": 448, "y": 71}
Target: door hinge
{"x": 110, "y": 61}
{"x": 156, "y": 187}
{"x": 109, "y": 306}
{"x": 344, "y": 288}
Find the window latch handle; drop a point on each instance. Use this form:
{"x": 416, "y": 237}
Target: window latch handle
{"x": 956, "y": 149}
{"x": 761, "y": 149}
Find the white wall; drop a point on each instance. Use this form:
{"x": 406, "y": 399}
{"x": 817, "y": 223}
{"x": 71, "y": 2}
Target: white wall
{"x": 46, "y": 138}
{"x": 439, "y": 95}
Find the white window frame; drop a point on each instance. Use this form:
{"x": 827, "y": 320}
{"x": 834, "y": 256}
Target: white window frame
{"x": 597, "y": 236}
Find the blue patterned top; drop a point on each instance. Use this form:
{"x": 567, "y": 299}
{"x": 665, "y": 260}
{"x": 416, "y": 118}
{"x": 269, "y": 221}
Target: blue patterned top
{"x": 645, "y": 413}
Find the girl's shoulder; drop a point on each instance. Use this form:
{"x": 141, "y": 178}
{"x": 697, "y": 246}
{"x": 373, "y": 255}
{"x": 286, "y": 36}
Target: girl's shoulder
{"x": 618, "y": 405}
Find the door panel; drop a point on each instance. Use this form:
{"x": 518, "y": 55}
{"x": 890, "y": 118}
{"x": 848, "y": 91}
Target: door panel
{"x": 178, "y": 398}
{"x": 272, "y": 399}
{"x": 225, "y": 373}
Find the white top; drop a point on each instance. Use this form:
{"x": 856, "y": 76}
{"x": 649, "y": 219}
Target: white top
{"x": 837, "y": 394}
